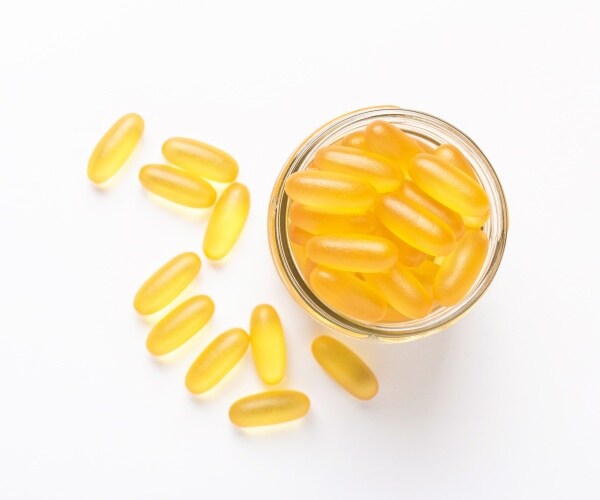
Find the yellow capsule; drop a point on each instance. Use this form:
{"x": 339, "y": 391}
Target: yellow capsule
{"x": 345, "y": 367}
{"x": 167, "y": 283}
{"x": 452, "y": 155}
{"x": 425, "y": 146}
{"x": 449, "y": 185}
{"x": 308, "y": 267}
{"x": 347, "y": 294}
{"x": 297, "y": 235}
{"x": 268, "y": 408}
{"x": 268, "y": 344}
{"x": 461, "y": 268}
{"x": 356, "y": 139}
{"x": 416, "y": 226}
{"x": 426, "y": 273}
{"x": 217, "y": 360}
{"x": 359, "y": 164}
{"x": 403, "y": 291}
{"x": 299, "y": 253}
{"x": 355, "y": 253}
{"x": 476, "y": 222}
{"x": 388, "y": 140}
{"x": 407, "y": 255}
{"x": 393, "y": 316}
{"x": 178, "y": 186}
{"x": 180, "y": 325}
{"x": 330, "y": 192}
{"x": 115, "y": 147}
{"x": 316, "y": 222}
{"x": 227, "y": 221}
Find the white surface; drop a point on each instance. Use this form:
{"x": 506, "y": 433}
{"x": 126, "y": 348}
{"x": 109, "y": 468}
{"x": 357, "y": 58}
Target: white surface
{"x": 503, "y": 405}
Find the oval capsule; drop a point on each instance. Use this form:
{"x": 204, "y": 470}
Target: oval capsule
{"x": 356, "y": 140}
{"x": 227, "y": 221}
{"x": 316, "y": 222}
{"x": 389, "y": 141}
{"x": 167, "y": 283}
{"x": 407, "y": 255}
{"x": 115, "y": 147}
{"x": 426, "y": 273}
{"x": 180, "y": 325}
{"x": 452, "y": 155}
{"x": 345, "y": 367}
{"x": 216, "y": 360}
{"x": 298, "y": 235}
{"x": 178, "y": 186}
{"x": 268, "y": 344}
{"x": 201, "y": 159}
{"x": 268, "y": 408}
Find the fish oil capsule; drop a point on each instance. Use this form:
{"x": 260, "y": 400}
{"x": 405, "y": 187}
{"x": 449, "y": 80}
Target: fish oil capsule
{"x": 316, "y": 222}
{"x": 268, "y": 344}
{"x": 389, "y": 141}
{"x": 216, "y": 361}
{"x": 452, "y": 155}
{"x": 299, "y": 253}
{"x": 407, "y": 255}
{"x": 167, "y": 283}
{"x": 330, "y": 192}
{"x": 347, "y": 294}
{"x": 449, "y": 185}
{"x": 356, "y": 253}
{"x": 426, "y": 273}
{"x": 178, "y": 186}
{"x": 297, "y": 235}
{"x": 356, "y": 140}
{"x": 460, "y": 269}
{"x": 345, "y": 367}
{"x": 415, "y": 225}
{"x": 359, "y": 164}
{"x": 115, "y": 147}
{"x": 227, "y": 221}
{"x": 393, "y": 316}
{"x": 201, "y": 159}
{"x": 180, "y": 325}
{"x": 308, "y": 267}
{"x": 268, "y": 408}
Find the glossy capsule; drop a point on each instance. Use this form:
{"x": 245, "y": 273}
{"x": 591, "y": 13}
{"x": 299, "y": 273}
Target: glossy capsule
{"x": 393, "y": 316}
{"x": 201, "y": 159}
{"x": 316, "y": 222}
{"x": 298, "y": 235}
{"x": 180, "y": 325}
{"x": 345, "y": 367}
{"x": 426, "y": 273}
{"x": 330, "y": 192}
{"x": 115, "y": 147}
{"x": 407, "y": 255}
{"x": 268, "y": 408}
{"x": 178, "y": 186}
{"x": 268, "y": 344}
{"x": 389, "y": 141}
{"x": 216, "y": 361}
{"x": 356, "y": 253}
{"x": 359, "y": 164}
{"x": 449, "y": 185}
{"x": 227, "y": 221}
{"x": 460, "y": 269}
{"x": 452, "y": 155}
{"x": 356, "y": 139}
{"x": 167, "y": 283}
{"x": 347, "y": 294}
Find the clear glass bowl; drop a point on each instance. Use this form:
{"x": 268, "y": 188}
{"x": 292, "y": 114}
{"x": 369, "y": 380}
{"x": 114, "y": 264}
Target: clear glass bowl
{"x": 428, "y": 129}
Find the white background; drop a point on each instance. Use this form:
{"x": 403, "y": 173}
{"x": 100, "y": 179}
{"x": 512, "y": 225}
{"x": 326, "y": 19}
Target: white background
{"x": 503, "y": 405}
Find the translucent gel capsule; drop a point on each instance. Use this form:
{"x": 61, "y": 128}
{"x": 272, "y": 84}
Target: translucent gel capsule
{"x": 298, "y": 236}
{"x": 407, "y": 255}
{"x": 316, "y": 222}
{"x": 359, "y": 164}
{"x": 178, "y": 186}
{"x": 330, "y": 192}
{"x": 115, "y": 147}
{"x": 180, "y": 325}
{"x": 167, "y": 283}
{"x": 347, "y": 294}
{"x": 201, "y": 159}
{"x": 345, "y": 367}
{"x": 355, "y": 253}
{"x": 476, "y": 222}
{"x": 461, "y": 268}
{"x": 268, "y": 344}
{"x": 452, "y": 155}
{"x": 307, "y": 269}
{"x": 393, "y": 316}
{"x": 426, "y": 273}
{"x": 449, "y": 185}
{"x": 227, "y": 221}
{"x": 299, "y": 253}
{"x": 388, "y": 140}
{"x": 268, "y": 408}
{"x": 416, "y": 226}
{"x": 425, "y": 146}
{"x": 356, "y": 140}
{"x": 217, "y": 360}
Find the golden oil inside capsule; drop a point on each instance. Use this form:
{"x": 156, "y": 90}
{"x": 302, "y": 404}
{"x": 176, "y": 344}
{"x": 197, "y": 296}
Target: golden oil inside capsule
{"x": 316, "y": 222}
{"x": 426, "y": 273}
{"x": 389, "y": 141}
{"x": 345, "y": 367}
{"x": 268, "y": 344}
{"x": 356, "y": 140}
{"x": 298, "y": 235}
{"x": 268, "y": 408}
{"x": 452, "y": 155}
{"x": 407, "y": 255}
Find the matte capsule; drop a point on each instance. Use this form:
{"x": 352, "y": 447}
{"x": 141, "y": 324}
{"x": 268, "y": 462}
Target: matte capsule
{"x": 388, "y": 140}
{"x": 216, "y": 361}
{"x": 316, "y": 222}
{"x": 268, "y": 344}
{"x": 227, "y": 221}
{"x": 115, "y": 147}
{"x": 268, "y": 408}
{"x": 167, "y": 283}
{"x": 345, "y": 367}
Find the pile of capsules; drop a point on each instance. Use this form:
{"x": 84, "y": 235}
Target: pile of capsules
{"x": 385, "y": 228}
{"x": 187, "y": 183}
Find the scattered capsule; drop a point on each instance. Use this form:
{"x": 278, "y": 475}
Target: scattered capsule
{"x": 115, "y": 147}
{"x": 201, "y": 159}
{"x": 407, "y": 255}
{"x": 389, "y": 141}
{"x": 217, "y": 360}
{"x": 316, "y": 222}
{"x": 356, "y": 253}
{"x": 330, "y": 192}
{"x": 356, "y": 139}
{"x": 452, "y": 155}
{"x": 461, "y": 268}
{"x": 180, "y": 325}
{"x": 178, "y": 186}
{"x": 167, "y": 283}
{"x": 268, "y": 408}
{"x": 268, "y": 344}
{"x": 227, "y": 221}
{"x": 345, "y": 367}
{"x": 298, "y": 236}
